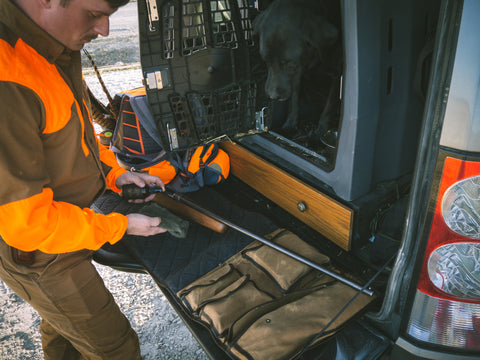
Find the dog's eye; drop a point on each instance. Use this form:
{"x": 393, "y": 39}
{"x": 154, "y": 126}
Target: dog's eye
{"x": 290, "y": 66}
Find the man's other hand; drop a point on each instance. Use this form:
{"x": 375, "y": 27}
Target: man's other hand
{"x": 143, "y": 225}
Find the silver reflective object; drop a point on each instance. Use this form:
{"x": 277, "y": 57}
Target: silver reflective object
{"x": 461, "y": 207}
{"x": 455, "y": 269}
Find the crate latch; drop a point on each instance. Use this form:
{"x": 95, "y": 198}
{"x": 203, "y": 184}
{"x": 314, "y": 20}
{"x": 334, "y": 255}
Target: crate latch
{"x": 157, "y": 79}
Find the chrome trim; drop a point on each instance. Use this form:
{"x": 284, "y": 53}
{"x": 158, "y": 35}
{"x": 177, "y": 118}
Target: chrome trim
{"x": 444, "y": 322}
{"x": 430, "y": 354}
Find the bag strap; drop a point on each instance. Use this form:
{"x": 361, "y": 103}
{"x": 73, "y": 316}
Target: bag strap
{"x": 213, "y": 154}
{"x": 201, "y": 164}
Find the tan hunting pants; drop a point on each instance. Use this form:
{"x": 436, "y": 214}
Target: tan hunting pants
{"x": 80, "y": 319}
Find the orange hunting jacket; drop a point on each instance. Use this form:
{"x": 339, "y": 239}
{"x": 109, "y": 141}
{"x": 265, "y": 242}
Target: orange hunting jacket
{"x": 51, "y": 166}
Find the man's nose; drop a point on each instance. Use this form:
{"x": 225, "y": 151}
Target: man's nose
{"x": 102, "y": 26}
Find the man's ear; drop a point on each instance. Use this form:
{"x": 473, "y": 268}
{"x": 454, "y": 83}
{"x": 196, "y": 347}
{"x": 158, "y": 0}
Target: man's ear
{"x": 45, "y": 4}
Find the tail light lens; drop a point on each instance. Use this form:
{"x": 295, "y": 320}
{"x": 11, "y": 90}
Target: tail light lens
{"x": 446, "y": 309}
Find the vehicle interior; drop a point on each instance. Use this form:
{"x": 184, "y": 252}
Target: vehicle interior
{"x": 338, "y": 179}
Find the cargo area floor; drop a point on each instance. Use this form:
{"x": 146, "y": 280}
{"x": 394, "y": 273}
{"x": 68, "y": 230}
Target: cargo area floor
{"x": 173, "y": 263}
{"x": 176, "y": 262}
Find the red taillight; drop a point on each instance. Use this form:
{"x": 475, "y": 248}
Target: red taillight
{"x": 446, "y": 310}
{"x": 458, "y": 240}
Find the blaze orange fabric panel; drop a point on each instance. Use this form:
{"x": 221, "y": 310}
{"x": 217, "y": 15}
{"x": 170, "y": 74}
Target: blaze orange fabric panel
{"x": 108, "y": 157}
{"x": 27, "y": 68}
{"x": 220, "y": 161}
{"x": 136, "y": 92}
{"x": 164, "y": 170}
{"x": 196, "y": 159}
{"x": 57, "y": 227}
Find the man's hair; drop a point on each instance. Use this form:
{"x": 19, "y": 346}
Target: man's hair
{"x": 114, "y": 4}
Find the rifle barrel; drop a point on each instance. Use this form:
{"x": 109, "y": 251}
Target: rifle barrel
{"x": 287, "y": 252}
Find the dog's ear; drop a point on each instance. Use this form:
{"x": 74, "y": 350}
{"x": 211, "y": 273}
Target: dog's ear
{"x": 319, "y": 36}
{"x": 259, "y": 21}
{"x": 329, "y": 34}
{"x": 320, "y": 33}
{"x": 264, "y": 16}
{"x": 256, "y": 24}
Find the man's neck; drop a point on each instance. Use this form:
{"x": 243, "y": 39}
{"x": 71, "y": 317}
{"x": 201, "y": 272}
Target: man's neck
{"x": 33, "y": 9}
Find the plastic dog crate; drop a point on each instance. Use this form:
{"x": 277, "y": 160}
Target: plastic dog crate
{"x": 205, "y": 79}
{"x": 196, "y": 57}
{"x": 386, "y": 70}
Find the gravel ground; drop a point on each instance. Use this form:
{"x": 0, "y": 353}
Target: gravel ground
{"x": 162, "y": 334}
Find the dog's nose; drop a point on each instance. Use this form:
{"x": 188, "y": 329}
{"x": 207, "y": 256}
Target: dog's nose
{"x": 273, "y": 95}
{"x": 276, "y": 93}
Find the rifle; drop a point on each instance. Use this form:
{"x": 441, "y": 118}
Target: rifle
{"x": 131, "y": 191}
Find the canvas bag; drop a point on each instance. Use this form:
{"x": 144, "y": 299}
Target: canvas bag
{"x": 262, "y": 304}
{"x": 138, "y": 147}
{"x": 135, "y": 140}
{"x": 200, "y": 166}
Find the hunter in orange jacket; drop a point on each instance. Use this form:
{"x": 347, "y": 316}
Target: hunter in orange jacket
{"x": 51, "y": 166}
{"x": 52, "y": 169}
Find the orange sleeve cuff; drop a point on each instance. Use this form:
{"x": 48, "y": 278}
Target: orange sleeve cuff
{"x": 108, "y": 157}
{"x": 39, "y": 223}
{"x": 112, "y": 177}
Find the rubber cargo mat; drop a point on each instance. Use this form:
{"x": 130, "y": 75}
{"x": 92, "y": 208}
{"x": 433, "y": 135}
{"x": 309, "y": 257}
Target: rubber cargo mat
{"x": 175, "y": 262}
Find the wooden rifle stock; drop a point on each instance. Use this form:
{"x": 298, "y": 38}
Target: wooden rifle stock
{"x": 189, "y": 213}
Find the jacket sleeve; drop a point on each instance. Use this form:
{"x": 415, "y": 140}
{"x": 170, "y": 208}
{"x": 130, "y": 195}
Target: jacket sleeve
{"x": 29, "y": 217}
{"x": 110, "y": 166}
{"x": 38, "y": 222}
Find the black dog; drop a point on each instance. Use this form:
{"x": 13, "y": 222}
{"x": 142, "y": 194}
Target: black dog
{"x": 293, "y": 37}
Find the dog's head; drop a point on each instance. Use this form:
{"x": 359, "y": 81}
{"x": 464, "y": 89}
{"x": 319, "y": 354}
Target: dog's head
{"x": 291, "y": 37}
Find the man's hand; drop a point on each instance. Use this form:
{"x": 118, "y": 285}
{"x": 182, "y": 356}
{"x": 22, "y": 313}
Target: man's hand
{"x": 139, "y": 179}
{"x": 143, "y": 225}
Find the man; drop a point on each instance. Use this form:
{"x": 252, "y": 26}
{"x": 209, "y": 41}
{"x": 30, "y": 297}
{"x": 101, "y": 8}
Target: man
{"x": 52, "y": 170}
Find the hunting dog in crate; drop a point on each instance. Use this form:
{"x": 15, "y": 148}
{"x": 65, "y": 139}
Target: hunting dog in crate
{"x": 296, "y": 40}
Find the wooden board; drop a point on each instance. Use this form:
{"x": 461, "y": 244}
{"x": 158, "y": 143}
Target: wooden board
{"x": 324, "y": 214}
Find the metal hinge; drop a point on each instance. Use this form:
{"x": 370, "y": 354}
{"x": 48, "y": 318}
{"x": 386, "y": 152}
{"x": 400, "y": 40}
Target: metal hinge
{"x": 153, "y": 18}
{"x": 172, "y": 137}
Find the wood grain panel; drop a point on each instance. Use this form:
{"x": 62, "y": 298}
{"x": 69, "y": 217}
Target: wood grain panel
{"x": 322, "y": 213}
